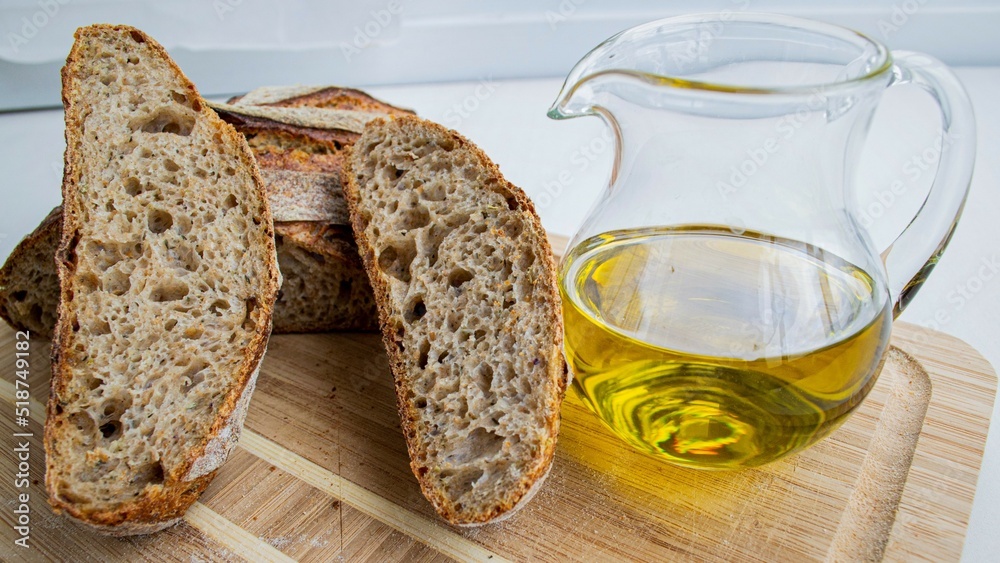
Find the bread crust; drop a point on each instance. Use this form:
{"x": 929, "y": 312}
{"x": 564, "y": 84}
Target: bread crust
{"x": 159, "y": 507}
{"x": 532, "y": 478}
{"x": 334, "y": 97}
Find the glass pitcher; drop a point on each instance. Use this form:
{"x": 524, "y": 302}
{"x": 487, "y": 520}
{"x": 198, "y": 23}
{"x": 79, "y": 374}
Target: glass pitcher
{"x": 723, "y": 304}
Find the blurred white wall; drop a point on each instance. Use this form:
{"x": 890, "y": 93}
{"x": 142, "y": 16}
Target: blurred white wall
{"x": 229, "y": 46}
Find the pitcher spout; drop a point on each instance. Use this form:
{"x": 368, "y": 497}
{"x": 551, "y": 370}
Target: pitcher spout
{"x": 576, "y": 98}
{"x": 650, "y": 56}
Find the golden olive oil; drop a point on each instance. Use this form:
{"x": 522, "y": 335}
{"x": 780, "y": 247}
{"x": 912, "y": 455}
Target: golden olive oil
{"x": 719, "y": 350}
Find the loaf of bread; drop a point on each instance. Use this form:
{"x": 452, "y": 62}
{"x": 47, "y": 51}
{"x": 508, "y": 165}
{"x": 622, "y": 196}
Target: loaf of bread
{"x": 168, "y": 277}
{"x": 470, "y": 315}
{"x": 325, "y": 287}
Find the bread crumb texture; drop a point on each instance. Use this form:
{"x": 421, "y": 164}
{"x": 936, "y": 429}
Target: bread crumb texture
{"x": 473, "y": 314}
{"x": 169, "y": 276}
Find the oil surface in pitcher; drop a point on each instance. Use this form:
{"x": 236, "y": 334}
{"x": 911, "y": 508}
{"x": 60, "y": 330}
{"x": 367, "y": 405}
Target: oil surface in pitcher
{"x": 719, "y": 350}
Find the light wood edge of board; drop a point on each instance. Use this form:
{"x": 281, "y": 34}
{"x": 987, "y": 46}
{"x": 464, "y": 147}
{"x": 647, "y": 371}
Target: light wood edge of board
{"x": 867, "y": 521}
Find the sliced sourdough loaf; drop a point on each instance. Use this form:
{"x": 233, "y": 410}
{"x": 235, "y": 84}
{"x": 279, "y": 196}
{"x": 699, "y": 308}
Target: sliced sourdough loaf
{"x": 325, "y": 288}
{"x": 470, "y": 314}
{"x": 168, "y": 277}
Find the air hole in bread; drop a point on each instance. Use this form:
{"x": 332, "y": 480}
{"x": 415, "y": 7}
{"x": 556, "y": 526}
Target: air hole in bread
{"x": 111, "y": 430}
{"x": 87, "y": 282}
{"x": 420, "y": 402}
{"x": 117, "y": 282}
{"x": 416, "y": 309}
{"x": 183, "y": 224}
{"x": 434, "y": 191}
{"x": 425, "y": 348}
{"x": 478, "y": 444}
{"x": 133, "y": 60}
{"x": 169, "y": 120}
{"x": 396, "y": 258}
{"x": 170, "y": 165}
{"x": 84, "y": 423}
{"x": 169, "y": 325}
{"x": 483, "y": 376}
{"x": 218, "y": 306}
{"x": 151, "y": 474}
{"x": 19, "y": 295}
{"x": 137, "y": 36}
{"x": 458, "y": 277}
{"x": 230, "y": 202}
{"x": 100, "y": 327}
{"x": 159, "y": 220}
{"x": 442, "y": 357}
{"x": 169, "y": 290}
{"x": 249, "y": 322}
{"x": 194, "y": 374}
{"x": 413, "y": 218}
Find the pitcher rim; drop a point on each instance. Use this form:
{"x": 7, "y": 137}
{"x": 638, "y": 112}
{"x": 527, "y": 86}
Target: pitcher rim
{"x": 819, "y": 27}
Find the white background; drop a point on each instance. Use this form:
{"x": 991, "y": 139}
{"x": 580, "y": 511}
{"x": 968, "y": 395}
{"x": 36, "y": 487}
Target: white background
{"x": 491, "y": 71}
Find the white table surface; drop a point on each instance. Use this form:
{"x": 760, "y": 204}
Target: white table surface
{"x": 507, "y": 119}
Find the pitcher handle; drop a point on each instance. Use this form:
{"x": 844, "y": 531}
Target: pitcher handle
{"x": 910, "y": 258}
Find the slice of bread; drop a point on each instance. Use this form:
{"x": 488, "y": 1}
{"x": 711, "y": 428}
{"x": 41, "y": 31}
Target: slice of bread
{"x": 470, "y": 314}
{"x": 29, "y": 286}
{"x": 325, "y": 288}
{"x": 168, "y": 277}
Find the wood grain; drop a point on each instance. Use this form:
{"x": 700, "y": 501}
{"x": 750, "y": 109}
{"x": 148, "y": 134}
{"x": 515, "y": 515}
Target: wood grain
{"x": 322, "y": 473}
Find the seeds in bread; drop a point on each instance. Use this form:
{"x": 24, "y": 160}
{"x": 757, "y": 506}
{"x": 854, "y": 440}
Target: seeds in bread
{"x": 168, "y": 277}
{"x": 470, "y": 315}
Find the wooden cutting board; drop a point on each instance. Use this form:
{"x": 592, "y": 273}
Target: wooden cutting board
{"x": 321, "y": 473}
